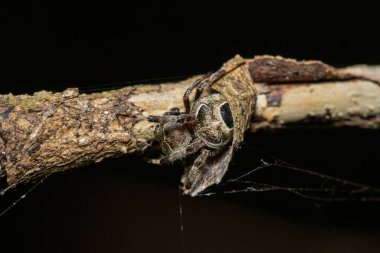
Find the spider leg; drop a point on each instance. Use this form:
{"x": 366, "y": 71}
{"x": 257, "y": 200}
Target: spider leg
{"x": 169, "y": 117}
{"x": 152, "y": 118}
{"x": 186, "y": 100}
{"x": 173, "y": 111}
{"x": 170, "y": 126}
{"x": 201, "y": 84}
{"x": 217, "y": 75}
{"x": 183, "y": 152}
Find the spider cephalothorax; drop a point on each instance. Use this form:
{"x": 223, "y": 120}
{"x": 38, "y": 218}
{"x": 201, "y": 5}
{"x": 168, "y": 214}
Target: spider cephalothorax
{"x": 208, "y": 124}
{"x": 205, "y": 134}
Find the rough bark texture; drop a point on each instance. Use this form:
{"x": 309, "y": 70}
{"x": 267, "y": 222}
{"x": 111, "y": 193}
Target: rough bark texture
{"x": 47, "y": 132}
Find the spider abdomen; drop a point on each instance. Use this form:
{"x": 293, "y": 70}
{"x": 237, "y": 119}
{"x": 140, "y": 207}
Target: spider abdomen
{"x": 214, "y": 123}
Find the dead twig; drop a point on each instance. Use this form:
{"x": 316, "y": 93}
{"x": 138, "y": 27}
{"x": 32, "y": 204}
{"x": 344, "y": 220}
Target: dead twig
{"x": 48, "y": 132}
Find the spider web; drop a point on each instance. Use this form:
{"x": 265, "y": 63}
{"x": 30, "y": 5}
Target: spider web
{"x": 317, "y": 186}
{"x": 307, "y": 183}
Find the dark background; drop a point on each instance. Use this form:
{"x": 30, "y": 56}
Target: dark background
{"x": 125, "y": 205}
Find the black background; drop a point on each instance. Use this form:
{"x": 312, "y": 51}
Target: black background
{"x": 125, "y": 205}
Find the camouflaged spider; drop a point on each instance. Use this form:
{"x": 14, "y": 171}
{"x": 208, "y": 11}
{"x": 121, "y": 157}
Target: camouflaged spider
{"x": 203, "y": 131}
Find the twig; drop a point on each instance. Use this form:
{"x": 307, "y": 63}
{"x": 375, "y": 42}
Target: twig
{"x": 48, "y": 132}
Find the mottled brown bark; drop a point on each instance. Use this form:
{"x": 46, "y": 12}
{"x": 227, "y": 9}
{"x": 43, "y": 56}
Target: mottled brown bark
{"x": 48, "y": 132}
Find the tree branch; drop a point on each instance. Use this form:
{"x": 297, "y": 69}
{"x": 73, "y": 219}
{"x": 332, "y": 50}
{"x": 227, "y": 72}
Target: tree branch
{"x": 48, "y": 132}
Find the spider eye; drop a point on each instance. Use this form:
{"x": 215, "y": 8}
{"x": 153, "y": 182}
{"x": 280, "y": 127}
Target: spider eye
{"x": 202, "y": 111}
{"x": 226, "y": 114}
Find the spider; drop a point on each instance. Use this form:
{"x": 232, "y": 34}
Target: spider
{"x": 203, "y": 132}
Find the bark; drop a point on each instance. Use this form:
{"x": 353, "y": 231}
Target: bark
{"x": 48, "y": 132}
